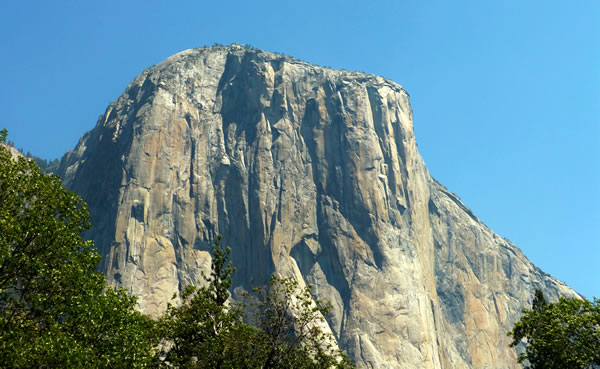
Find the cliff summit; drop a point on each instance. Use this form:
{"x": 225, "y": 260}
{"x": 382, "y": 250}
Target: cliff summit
{"x": 310, "y": 173}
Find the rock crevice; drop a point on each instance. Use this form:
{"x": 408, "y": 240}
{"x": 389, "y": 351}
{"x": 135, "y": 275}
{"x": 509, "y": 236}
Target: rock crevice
{"x": 307, "y": 172}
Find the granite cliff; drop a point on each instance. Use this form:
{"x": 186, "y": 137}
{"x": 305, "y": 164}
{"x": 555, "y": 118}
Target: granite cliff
{"x": 307, "y": 172}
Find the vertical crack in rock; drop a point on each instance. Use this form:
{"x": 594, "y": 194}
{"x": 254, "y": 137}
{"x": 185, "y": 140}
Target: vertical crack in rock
{"x": 307, "y": 172}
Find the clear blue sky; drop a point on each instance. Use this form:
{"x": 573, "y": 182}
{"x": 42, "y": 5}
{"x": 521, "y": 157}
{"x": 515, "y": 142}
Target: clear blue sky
{"x": 506, "y": 94}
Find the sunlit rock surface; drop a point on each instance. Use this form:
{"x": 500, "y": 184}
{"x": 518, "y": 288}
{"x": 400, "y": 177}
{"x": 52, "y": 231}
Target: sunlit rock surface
{"x": 308, "y": 172}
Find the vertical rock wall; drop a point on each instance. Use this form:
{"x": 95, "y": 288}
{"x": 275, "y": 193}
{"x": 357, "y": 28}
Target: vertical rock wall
{"x": 306, "y": 172}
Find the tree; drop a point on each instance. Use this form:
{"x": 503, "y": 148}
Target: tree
{"x": 55, "y": 310}
{"x": 197, "y": 332}
{"x": 291, "y": 325}
{"x": 282, "y": 328}
{"x": 563, "y": 334}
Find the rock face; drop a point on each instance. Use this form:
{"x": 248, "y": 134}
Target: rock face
{"x": 306, "y": 172}
{"x": 13, "y": 152}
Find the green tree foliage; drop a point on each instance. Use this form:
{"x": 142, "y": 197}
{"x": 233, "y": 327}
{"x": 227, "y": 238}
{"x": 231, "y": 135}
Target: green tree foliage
{"x": 563, "y": 334}
{"x": 290, "y": 324}
{"x": 55, "y": 310}
{"x": 197, "y": 333}
{"x": 208, "y": 331}
{"x": 46, "y": 166}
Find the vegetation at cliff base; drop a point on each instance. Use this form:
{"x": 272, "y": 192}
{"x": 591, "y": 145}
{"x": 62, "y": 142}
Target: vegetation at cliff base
{"x": 46, "y": 166}
{"x": 563, "y": 334}
{"x": 204, "y": 332}
{"x": 57, "y": 312}
{"x": 55, "y": 309}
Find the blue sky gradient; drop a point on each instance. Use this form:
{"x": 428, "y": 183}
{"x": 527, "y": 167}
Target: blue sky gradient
{"x": 506, "y": 94}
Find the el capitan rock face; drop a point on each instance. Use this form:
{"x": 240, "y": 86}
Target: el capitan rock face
{"x": 307, "y": 172}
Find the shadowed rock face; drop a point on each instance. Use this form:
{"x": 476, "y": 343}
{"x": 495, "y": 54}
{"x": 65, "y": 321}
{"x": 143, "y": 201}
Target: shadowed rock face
{"x": 306, "y": 172}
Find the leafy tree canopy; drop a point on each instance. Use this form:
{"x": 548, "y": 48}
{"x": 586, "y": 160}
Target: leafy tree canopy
{"x": 291, "y": 328}
{"x": 279, "y": 328}
{"x": 563, "y": 334}
{"x": 55, "y": 310}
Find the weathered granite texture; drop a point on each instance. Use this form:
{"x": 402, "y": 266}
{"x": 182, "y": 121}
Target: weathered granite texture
{"x": 13, "y": 152}
{"x": 308, "y": 172}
